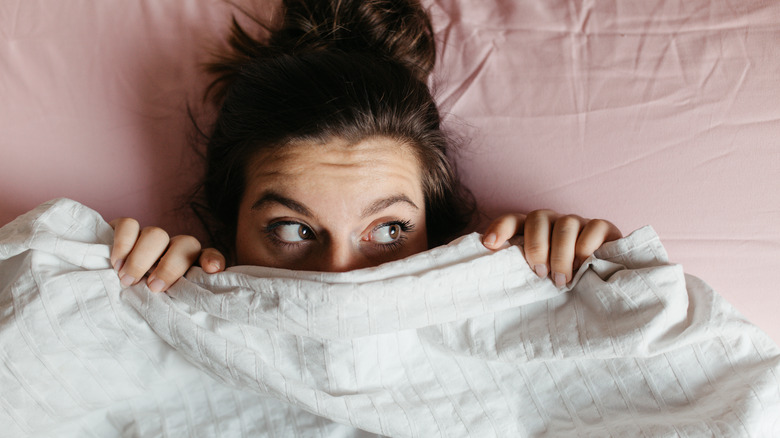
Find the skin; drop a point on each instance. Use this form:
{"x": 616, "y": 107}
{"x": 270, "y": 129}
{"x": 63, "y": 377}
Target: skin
{"x": 336, "y": 207}
{"x": 553, "y": 244}
{"x": 333, "y": 207}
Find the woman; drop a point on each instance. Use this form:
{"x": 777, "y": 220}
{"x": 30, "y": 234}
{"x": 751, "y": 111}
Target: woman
{"x": 327, "y": 154}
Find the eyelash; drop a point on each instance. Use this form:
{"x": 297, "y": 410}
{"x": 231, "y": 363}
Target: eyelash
{"x": 405, "y": 225}
{"x": 269, "y": 231}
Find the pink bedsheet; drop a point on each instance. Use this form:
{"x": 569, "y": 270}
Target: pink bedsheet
{"x": 657, "y": 112}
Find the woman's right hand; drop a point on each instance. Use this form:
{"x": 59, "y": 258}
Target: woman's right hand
{"x": 137, "y": 252}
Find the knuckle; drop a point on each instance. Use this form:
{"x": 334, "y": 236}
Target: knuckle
{"x": 537, "y": 215}
{"x": 581, "y": 252}
{"x": 125, "y": 222}
{"x": 121, "y": 247}
{"x": 135, "y": 269}
{"x": 570, "y": 219}
{"x": 535, "y": 250}
{"x": 600, "y": 224}
{"x": 186, "y": 241}
{"x": 503, "y": 221}
{"x": 560, "y": 260}
{"x": 544, "y": 212}
{"x": 155, "y": 233}
{"x": 167, "y": 273}
{"x": 567, "y": 224}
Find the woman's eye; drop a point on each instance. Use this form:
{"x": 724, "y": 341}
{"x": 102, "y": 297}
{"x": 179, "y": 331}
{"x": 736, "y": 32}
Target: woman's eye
{"x": 293, "y": 232}
{"x": 386, "y": 233}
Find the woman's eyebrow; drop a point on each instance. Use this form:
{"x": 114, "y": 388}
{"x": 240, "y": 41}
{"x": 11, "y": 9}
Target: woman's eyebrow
{"x": 273, "y": 197}
{"x": 381, "y": 204}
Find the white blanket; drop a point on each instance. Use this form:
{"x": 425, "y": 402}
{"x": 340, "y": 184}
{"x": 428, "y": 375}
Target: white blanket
{"x": 456, "y": 341}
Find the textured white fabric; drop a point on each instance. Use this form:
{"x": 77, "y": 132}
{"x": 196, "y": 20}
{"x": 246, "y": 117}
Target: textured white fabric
{"x": 456, "y": 341}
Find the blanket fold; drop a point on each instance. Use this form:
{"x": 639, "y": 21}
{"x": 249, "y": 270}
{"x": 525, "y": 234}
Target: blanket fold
{"x": 455, "y": 341}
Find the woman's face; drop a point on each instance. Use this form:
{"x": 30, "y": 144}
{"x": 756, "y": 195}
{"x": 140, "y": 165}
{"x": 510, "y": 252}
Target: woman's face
{"x": 332, "y": 207}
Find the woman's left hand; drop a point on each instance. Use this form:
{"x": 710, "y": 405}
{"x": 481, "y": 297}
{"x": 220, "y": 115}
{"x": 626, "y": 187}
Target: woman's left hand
{"x": 554, "y": 244}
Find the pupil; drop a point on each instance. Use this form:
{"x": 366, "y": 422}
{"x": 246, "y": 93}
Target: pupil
{"x": 303, "y": 232}
{"x": 394, "y": 230}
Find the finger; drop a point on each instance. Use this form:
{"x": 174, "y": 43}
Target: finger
{"x": 593, "y": 235}
{"x": 151, "y": 244}
{"x": 562, "y": 245}
{"x": 181, "y": 254}
{"x": 502, "y": 229}
{"x": 212, "y": 261}
{"x": 126, "y": 232}
{"x": 536, "y": 240}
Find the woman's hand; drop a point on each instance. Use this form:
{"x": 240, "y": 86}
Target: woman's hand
{"x": 553, "y": 243}
{"x": 136, "y": 251}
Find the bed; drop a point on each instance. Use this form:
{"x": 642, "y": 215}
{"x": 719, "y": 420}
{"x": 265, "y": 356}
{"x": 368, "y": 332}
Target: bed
{"x": 658, "y": 112}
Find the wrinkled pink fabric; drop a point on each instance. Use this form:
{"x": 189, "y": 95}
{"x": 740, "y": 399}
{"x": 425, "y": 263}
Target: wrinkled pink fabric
{"x": 660, "y": 112}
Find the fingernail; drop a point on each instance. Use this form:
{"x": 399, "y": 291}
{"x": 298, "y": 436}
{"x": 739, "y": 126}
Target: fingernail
{"x": 156, "y": 285}
{"x": 541, "y": 270}
{"x": 214, "y": 264}
{"x": 118, "y": 265}
{"x": 559, "y": 279}
{"x": 127, "y": 280}
{"x": 490, "y": 239}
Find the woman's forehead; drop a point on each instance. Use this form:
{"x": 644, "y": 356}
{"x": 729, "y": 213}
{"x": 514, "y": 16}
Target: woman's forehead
{"x": 337, "y": 183}
{"x": 372, "y": 156}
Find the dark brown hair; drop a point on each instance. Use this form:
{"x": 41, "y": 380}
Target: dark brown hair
{"x": 348, "y": 69}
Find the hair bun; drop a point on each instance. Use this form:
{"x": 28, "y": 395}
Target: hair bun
{"x": 395, "y": 30}
{"x": 399, "y": 30}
